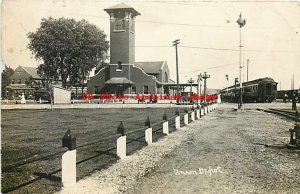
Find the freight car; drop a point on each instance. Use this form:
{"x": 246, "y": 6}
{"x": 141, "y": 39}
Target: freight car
{"x": 259, "y": 90}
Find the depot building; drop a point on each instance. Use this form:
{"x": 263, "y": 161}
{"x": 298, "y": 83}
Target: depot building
{"x": 123, "y": 75}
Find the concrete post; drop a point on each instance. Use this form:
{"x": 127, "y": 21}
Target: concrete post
{"x": 68, "y": 171}
{"x": 186, "y": 119}
{"x": 192, "y": 115}
{"x": 198, "y": 113}
{"x": 148, "y": 135}
{"x": 98, "y": 105}
{"x": 202, "y": 112}
{"x": 121, "y": 146}
{"x": 166, "y": 127}
{"x": 177, "y": 122}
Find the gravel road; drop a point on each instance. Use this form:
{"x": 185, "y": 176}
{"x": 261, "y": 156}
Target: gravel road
{"x": 223, "y": 152}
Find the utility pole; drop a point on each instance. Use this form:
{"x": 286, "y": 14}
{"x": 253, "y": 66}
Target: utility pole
{"x": 293, "y": 82}
{"x": 199, "y": 87}
{"x": 247, "y": 69}
{"x": 175, "y": 43}
{"x": 236, "y": 81}
{"x": 226, "y": 76}
{"x": 241, "y": 23}
{"x": 205, "y": 77}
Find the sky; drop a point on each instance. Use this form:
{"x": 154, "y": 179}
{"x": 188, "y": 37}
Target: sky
{"x": 208, "y": 33}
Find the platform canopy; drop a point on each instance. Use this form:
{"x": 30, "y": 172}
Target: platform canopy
{"x": 118, "y": 81}
{"x": 174, "y": 84}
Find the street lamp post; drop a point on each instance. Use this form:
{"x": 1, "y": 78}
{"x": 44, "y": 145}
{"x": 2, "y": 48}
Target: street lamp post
{"x": 205, "y": 77}
{"x": 199, "y": 87}
{"x": 241, "y": 22}
{"x": 191, "y": 81}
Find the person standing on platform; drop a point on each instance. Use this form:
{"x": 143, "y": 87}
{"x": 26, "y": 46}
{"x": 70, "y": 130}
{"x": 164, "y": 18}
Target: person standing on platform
{"x": 285, "y": 97}
{"x": 294, "y": 102}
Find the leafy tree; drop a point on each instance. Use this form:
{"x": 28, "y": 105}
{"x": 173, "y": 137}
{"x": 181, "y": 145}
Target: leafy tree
{"x": 5, "y": 79}
{"x": 70, "y": 49}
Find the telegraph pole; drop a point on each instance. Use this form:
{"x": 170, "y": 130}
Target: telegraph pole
{"x": 226, "y": 76}
{"x": 205, "y": 77}
{"x": 241, "y": 23}
{"x": 247, "y": 69}
{"x": 175, "y": 43}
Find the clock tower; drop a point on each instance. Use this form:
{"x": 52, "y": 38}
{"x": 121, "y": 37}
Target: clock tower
{"x": 122, "y": 33}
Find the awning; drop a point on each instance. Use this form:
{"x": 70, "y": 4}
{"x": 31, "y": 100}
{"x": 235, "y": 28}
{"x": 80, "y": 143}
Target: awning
{"x": 19, "y": 87}
{"x": 118, "y": 81}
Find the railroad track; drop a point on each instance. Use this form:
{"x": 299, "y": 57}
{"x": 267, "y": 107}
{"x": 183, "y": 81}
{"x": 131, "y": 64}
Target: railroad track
{"x": 283, "y": 113}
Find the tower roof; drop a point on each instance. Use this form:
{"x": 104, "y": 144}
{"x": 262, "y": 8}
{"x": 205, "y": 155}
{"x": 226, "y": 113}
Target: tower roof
{"x": 122, "y": 6}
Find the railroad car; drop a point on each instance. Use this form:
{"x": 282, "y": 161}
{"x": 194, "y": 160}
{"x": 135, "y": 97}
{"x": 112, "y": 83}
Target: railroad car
{"x": 259, "y": 90}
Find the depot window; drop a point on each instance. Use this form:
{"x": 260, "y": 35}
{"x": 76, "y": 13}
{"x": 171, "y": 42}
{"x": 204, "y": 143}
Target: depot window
{"x": 133, "y": 89}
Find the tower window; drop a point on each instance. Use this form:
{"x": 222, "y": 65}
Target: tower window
{"x": 119, "y": 25}
{"x": 119, "y": 67}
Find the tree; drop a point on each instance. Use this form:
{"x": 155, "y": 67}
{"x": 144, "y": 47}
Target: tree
{"x": 5, "y": 79}
{"x": 69, "y": 49}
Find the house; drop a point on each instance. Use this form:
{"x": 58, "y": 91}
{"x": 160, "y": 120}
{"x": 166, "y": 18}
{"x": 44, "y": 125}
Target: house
{"x": 23, "y": 75}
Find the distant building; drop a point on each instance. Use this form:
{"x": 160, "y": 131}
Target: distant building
{"x": 26, "y": 80}
{"x": 20, "y": 83}
{"x": 123, "y": 75}
{"x": 23, "y": 75}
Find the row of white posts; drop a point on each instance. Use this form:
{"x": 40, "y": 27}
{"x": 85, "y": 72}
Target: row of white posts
{"x": 69, "y": 157}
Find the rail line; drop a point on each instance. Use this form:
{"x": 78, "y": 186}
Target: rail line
{"x": 287, "y": 114}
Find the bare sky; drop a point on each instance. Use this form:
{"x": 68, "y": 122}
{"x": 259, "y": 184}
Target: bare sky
{"x": 208, "y": 33}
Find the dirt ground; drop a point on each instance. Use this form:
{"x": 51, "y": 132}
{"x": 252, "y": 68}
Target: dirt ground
{"x": 234, "y": 142}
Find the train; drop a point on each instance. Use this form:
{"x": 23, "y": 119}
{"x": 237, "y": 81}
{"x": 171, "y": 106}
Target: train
{"x": 259, "y": 90}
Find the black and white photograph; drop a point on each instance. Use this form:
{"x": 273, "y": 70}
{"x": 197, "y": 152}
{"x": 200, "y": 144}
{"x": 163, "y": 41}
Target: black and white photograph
{"x": 150, "y": 96}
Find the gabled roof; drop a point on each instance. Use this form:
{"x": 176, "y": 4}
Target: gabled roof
{"x": 32, "y": 71}
{"x": 122, "y": 6}
{"x": 152, "y": 67}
